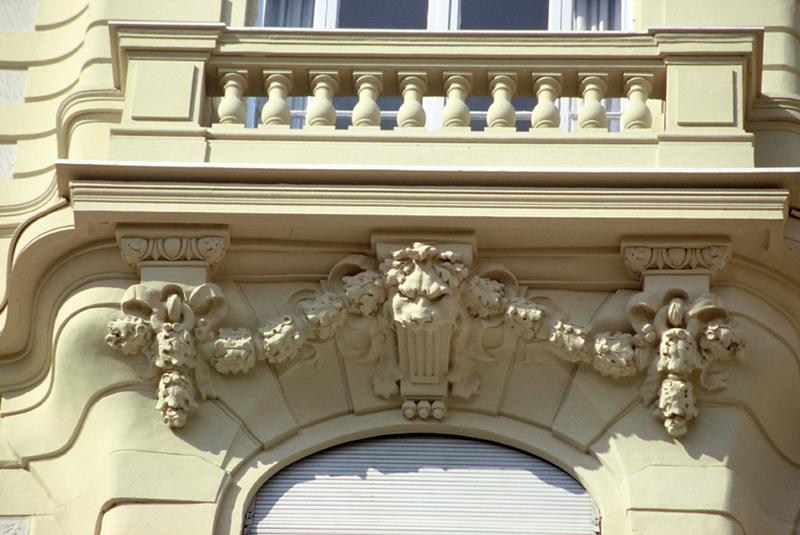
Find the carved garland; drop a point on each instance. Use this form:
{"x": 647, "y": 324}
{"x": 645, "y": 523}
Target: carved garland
{"x": 421, "y": 316}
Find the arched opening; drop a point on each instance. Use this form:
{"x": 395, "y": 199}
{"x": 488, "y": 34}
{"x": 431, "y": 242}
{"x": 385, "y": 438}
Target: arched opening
{"x": 414, "y": 484}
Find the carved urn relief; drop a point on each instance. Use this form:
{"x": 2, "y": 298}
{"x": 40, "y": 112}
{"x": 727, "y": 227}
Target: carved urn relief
{"x": 424, "y": 293}
{"x": 420, "y": 314}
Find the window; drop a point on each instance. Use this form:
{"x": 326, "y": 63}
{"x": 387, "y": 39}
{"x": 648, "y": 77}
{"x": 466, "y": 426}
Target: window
{"x": 422, "y": 484}
{"x": 442, "y": 16}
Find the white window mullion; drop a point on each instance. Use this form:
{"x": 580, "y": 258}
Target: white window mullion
{"x": 603, "y": 23}
{"x": 626, "y": 16}
{"x": 433, "y": 107}
{"x": 561, "y": 20}
{"x": 560, "y": 15}
{"x": 443, "y": 16}
{"x": 326, "y": 14}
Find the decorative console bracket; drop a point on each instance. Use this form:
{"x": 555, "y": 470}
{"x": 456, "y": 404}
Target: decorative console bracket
{"x": 681, "y": 324}
{"x": 419, "y": 313}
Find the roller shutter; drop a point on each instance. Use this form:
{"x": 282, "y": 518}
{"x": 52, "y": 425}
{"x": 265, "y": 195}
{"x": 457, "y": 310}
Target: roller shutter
{"x": 415, "y": 484}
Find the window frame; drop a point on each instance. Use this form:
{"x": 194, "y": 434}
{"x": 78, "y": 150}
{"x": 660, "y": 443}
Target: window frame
{"x": 444, "y": 16}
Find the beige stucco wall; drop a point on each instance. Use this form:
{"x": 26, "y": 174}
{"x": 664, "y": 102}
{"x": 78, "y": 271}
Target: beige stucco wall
{"x": 85, "y": 447}
{"x": 82, "y": 449}
{"x": 774, "y": 121}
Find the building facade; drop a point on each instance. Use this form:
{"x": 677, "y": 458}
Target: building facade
{"x": 229, "y": 248}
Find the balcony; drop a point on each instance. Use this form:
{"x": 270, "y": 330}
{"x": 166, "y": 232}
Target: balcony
{"x": 685, "y": 93}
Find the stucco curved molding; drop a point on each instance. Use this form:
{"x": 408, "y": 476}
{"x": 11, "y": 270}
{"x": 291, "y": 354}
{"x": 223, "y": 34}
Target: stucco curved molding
{"x": 23, "y": 278}
{"x": 424, "y": 315}
{"x": 599, "y": 479}
{"x": 99, "y": 105}
{"x": 60, "y": 14}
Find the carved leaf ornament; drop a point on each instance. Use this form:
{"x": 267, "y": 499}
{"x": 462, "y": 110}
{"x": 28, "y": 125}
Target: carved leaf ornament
{"x": 421, "y": 317}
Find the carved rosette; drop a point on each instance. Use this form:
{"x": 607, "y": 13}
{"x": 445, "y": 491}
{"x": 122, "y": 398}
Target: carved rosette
{"x": 420, "y": 318}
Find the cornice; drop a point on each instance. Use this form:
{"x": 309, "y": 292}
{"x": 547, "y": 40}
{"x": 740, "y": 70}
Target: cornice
{"x": 708, "y": 201}
{"x": 499, "y": 175}
{"x": 537, "y": 213}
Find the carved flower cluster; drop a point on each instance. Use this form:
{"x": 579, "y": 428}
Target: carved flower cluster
{"x": 423, "y": 271}
{"x": 673, "y": 338}
{"x": 178, "y": 335}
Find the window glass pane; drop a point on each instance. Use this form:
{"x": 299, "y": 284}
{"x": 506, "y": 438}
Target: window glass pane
{"x": 478, "y": 106}
{"x": 596, "y": 15}
{"x": 384, "y": 14}
{"x": 290, "y": 13}
{"x": 283, "y": 14}
{"x": 388, "y": 105}
{"x": 504, "y": 14}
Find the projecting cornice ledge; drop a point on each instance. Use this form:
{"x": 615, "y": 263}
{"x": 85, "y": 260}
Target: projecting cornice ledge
{"x": 418, "y": 311}
{"x": 492, "y": 199}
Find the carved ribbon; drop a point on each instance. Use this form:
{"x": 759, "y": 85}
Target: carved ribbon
{"x": 179, "y": 335}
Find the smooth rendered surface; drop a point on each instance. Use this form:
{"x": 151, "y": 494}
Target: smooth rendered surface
{"x": 130, "y": 156}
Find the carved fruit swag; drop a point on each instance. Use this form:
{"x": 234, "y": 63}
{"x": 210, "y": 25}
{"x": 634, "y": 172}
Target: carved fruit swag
{"x": 420, "y": 318}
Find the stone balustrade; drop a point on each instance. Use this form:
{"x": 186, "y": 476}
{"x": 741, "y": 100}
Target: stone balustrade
{"x": 191, "y": 86}
{"x": 592, "y": 88}
{"x": 639, "y": 68}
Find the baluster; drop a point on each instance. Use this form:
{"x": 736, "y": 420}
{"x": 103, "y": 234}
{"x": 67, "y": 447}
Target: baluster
{"x": 457, "y": 86}
{"x": 411, "y": 113}
{"x": 501, "y": 113}
{"x": 276, "y": 110}
{"x": 321, "y": 111}
{"x": 231, "y": 106}
{"x": 548, "y": 88}
{"x": 368, "y": 86}
{"x": 637, "y": 115}
{"x": 592, "y": 114}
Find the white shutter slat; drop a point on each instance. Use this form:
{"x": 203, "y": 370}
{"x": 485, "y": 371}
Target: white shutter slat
{"x": 417, "y": 484}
